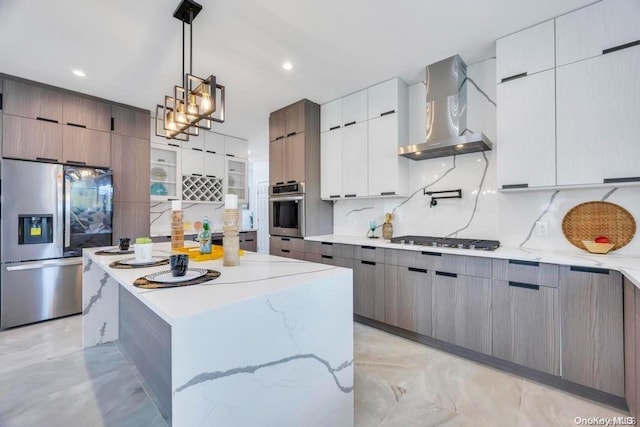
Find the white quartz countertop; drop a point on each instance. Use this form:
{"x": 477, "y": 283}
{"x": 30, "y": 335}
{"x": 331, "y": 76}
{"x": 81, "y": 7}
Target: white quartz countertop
{"x": 626, "y": 264}
{"x": 257, "y": 275}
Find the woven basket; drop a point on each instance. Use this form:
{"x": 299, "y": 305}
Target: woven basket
{"x": 592, "y": 219}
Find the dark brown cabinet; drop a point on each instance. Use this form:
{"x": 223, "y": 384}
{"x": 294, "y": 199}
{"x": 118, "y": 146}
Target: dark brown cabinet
{"x": 276, "y": 125}
{"x": 31, "y": 101}
{"x": 592, "y": 328}
{"x": 462, "y": 310}
{"x": 249, "y": 241}
{"x": 30, "y": 139}
{"x": 86, "y": 147}
{"x": 86, "y": 112}
{"x": 276, "y": 162}
{"x": 130, "y": 219}
{"x": 130, "y": 122}
{"x": 407, "y": 298}
{"x": 295, "y": 118}
{"x": 526, "y": 325}
{"x": 130, "y": 163}
{"x": 368, "y": 289}
{"x": 294, "y": 158}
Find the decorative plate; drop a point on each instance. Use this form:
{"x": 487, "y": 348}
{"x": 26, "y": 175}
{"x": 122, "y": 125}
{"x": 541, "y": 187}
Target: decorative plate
{"x": 166, "y": 276}
{"x": 158, "y": 189}
{"x": 589, "y": 220}
{"x": 158, "y": 174}
{"x": 133, "y": 262}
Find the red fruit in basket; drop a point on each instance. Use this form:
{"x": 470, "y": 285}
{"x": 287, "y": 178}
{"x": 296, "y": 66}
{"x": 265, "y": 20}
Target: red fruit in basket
{"x": 601, "y": 239}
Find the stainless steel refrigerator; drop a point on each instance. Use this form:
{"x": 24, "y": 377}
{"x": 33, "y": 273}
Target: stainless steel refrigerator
{"x": 49, "y": 213}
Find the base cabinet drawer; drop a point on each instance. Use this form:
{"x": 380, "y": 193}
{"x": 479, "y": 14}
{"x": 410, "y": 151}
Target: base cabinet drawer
{"x": 592, "y": 328}
{"x": 407, "y": 298}
{"x": 369, "y": 253}
{"x": 461, "y": 308}
{"x": 526, "y": 325}
{"x": 320, "y": 259}
{"x": 532, "y": 272}
{"x": 287, "y": 253}
{"x": 431, "y": 260}
{"x": 368, "y": 289}
{"x": 288, "y": 243}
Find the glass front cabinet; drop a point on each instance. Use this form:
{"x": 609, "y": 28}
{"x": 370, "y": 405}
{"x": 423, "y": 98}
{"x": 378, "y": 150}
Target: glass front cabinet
{"x": 236, "y": 178}
{"x": 166, "y": 174}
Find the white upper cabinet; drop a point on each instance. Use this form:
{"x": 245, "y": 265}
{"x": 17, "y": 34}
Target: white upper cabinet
{"x": 387, "y": 176}
{"x": 383, "y": 98}
{"x": 354, "y": 108}
{"x": 331, "y": 115}
{"x": 214, "y": 143}
{"x": 526, "y": 152}
{"x": 528, "y": 51}
{"x": 194, "y": 141}
{"x": 589, "y": 31}
{"x": 354, "y": 160}
{"x": 213, "y": 165}
{"x": 192, "y": 161}
{"x": 331, "y": 164}
{"x": 598, "y": 106}
{"x": 236, "y": 147}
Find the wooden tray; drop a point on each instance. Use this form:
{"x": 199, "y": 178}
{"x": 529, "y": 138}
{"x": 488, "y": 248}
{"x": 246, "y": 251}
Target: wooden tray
{"x": 194, "y": 253}
{"x": 592, "y": 219}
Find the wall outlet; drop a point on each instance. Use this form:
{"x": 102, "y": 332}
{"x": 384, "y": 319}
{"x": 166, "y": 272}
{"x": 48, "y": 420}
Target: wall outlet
{"x": 542, "y": 229}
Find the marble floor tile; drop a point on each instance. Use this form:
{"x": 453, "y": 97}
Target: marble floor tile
{"x": 545, "y": 406}
{"x": 35, "y": 343}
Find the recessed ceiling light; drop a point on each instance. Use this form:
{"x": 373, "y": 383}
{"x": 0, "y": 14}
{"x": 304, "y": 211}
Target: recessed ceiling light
{"x": 79, "y": 73}
{"x": 287, "y": 66}
{"x": 248, "y": 151}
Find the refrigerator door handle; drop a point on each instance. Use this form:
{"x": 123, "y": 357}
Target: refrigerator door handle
{"x": 44, "y": 264}
{"x": 67, "y": 212}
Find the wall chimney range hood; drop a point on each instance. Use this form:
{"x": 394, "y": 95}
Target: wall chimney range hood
{"x": 447, "y": 133}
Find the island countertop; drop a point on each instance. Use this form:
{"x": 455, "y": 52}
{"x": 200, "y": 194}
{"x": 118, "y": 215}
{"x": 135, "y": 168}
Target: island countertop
{"x": 257, "y": 275}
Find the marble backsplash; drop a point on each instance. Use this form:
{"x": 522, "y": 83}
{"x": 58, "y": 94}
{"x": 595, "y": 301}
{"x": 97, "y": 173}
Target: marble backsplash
{"x": 483, "y": 212}
{"x": 161, "y": 216}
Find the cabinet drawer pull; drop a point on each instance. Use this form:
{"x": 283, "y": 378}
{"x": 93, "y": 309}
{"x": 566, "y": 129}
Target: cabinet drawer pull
{"x": 508, "y": 186}
{"x": 388, "y": 193}
{"x": 350, "y": 195}
{"x": 627, "y": 179}
{"x": 75, "y": 162}
{"x": 335, "y": 127}
{"x": 327, "y": 243}
{"x": 620, "y": 47}
{"x": 280, "y": 183}
{"x": 42, "y": 119}
{"x": 196, "y": 174}
{"x": 524, "y": 285}
{"x": 113, "y": 125}
{"x": 171, "y": 200}
{"x": 291, "y": 134}
{"x": 249, "y": 240}
{"x": 76, "y": 125}
{"x": 590, "y": 270}
{"x": 417, "y": 270}
{"x": 528, "y": 263}
{"x": 46, "y": 159}
{"x": 173, "y": 145}
{"x": 386, "y": 113}
{"x": 373, "y": 248}
{"x": 1, "y": 104}
{"x": 279, "y": 138}
{"x": 211, "y": 176}
{"x": 211, "y": 152}
{"x": 444, "y": 273}
{"x": 431, "y": 253}
{"x": 292, "y": 182}
{"x": 334, "y": 196}
{"x": 349, "y": 124}
{"x": 514, "y": 77}
{"x": 285, "y": 239}
{"x": 286, "y": 251}
{"x": 368, "y": 262}
{"x": 196, "y": 149}
{"x": 327, "y": 257}
{"x": 231, "y": 155}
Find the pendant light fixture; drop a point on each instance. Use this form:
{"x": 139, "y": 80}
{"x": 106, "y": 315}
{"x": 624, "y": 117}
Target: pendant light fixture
{"x": 196, "y": 99}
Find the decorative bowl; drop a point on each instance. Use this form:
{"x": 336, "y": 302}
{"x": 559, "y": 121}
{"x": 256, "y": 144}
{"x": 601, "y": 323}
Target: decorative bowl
{"x": 597, "y": 248}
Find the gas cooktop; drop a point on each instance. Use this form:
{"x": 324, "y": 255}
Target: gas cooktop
{"x": 445, "y": 242}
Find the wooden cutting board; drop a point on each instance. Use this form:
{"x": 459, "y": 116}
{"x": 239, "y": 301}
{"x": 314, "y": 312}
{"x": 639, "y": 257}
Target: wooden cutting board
{"x": 589, "y": 220}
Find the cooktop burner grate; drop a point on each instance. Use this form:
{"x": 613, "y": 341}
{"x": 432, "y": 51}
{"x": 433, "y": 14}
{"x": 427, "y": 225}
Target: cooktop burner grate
{"x": 447, "y": 242}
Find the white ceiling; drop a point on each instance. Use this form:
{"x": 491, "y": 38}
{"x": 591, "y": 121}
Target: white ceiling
{"x": 131, "y": 50}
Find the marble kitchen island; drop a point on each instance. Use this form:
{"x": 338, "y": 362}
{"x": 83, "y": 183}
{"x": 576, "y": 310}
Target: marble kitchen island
{"x": 269, "y": 342}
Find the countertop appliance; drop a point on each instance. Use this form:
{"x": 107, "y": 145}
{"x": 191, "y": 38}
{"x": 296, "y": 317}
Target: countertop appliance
{"x": 446, "y": 242}
{"x": 287, "y": 210}
{"x": 446, "y": 119}
{"x": 49, "y": 213}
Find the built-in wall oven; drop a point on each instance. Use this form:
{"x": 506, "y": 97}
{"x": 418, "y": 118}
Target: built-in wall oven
{"x": 286, "y": 210}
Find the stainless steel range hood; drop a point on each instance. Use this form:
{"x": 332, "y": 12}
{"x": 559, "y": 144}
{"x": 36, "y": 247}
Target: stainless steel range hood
{"x": 447, "y": 133}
